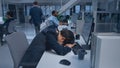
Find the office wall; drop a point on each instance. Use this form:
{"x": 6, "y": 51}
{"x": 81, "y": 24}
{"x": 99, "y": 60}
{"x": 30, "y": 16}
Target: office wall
{"x": 0, "y": 8}
{"x": 41, "y": 1}
{"x": 19, "y": 1}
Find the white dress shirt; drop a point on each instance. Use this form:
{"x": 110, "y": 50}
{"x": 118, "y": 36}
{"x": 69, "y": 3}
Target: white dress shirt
{"x": 54, "y": 19}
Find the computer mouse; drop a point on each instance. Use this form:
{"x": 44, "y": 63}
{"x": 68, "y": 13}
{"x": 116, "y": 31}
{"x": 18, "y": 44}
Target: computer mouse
{"x": 65, "y": 62}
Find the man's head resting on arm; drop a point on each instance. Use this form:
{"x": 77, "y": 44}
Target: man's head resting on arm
{"x": 66, "y": 38}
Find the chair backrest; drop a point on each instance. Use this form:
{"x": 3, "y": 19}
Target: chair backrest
{"x": 11, "y": 27}
{"x": 18, "y": 45}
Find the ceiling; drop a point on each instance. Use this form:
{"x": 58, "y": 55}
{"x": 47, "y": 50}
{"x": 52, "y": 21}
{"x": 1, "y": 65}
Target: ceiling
{"x": 54, "y": 2}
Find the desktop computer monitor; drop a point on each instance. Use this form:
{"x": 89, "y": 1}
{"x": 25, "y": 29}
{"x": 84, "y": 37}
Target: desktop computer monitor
{"x": 87, "y": 30}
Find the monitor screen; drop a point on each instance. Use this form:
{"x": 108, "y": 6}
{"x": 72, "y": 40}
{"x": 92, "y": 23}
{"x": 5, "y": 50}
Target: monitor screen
{"x": 87, "y": 29}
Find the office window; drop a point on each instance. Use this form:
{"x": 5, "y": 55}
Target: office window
{"x": 67, "y": 12}
{"x": 77, "y": 8}
{"x": 88, "y": 8}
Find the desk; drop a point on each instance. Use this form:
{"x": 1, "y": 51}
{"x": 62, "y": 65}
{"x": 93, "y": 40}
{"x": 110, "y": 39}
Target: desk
{"x": 51, "y": 60}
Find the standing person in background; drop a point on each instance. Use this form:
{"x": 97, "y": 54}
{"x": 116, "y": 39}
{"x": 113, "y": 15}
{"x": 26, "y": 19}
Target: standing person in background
{"x": 36, "y": 16}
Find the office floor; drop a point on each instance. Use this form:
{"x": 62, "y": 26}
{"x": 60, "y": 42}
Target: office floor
{"x": 5, "y": 57}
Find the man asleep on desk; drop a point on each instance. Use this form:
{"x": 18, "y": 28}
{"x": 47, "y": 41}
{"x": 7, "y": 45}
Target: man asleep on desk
{"x": 61, "y": 42}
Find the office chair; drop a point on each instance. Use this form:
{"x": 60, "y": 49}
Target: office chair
{"x": 7, "y": 30}
{"x": 18, "y": 45}
{"x": 11, "y": 27}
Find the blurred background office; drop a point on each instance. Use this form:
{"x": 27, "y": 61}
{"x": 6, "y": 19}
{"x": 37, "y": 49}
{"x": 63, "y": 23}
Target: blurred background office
{"x": 105, "y": 14}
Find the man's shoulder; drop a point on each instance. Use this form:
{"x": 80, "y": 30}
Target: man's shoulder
{"x": 34, "y": 7}
{"x": 51, "y": 17}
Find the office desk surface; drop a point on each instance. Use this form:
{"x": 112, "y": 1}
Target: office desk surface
{"x": 51, "y": 60}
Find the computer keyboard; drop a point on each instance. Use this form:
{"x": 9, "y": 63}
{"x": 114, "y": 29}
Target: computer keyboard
{"x": 76, "y": 48}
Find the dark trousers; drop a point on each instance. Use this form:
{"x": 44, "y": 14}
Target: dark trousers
{"x": 37, "y": 28}
{"x": 2, "y": 32}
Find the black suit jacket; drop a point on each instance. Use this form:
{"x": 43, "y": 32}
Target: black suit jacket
{"x": 52, "y": 43}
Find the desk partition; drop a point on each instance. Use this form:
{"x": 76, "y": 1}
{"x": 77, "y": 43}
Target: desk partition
{"x": 105, "y": 50}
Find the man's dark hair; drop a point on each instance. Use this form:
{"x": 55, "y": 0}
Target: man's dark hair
{"x": 10, "y": 13}
{"x": 69, "y": 36}
{"x": 53, "y": 12}
{"x": 35, "y": 3}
